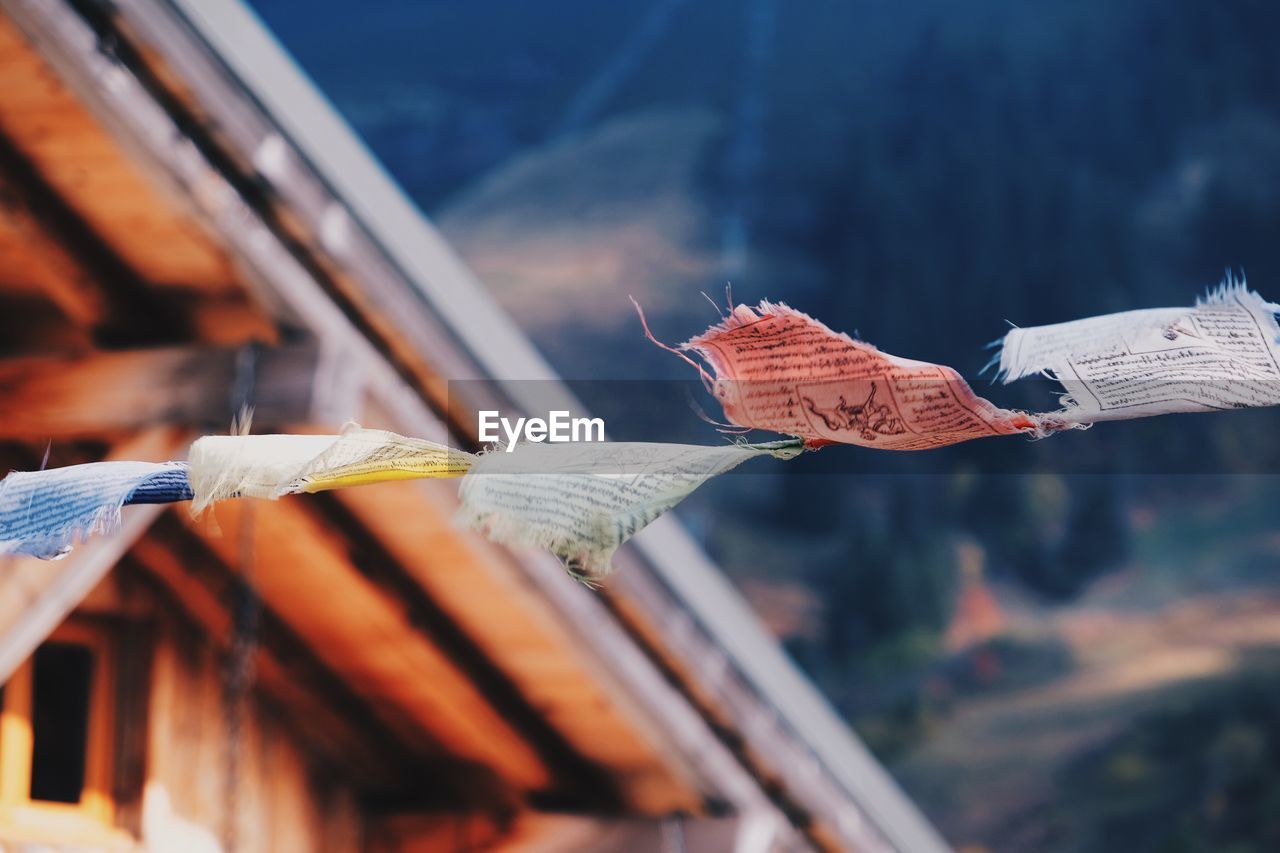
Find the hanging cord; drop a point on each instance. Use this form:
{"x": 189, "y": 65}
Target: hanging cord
{"x": 246, "y": 610}
{"x": 671, "y": 834}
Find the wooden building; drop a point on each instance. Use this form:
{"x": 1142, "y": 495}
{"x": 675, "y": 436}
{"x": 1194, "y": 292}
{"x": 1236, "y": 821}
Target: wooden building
{"x": 186, "y": 227}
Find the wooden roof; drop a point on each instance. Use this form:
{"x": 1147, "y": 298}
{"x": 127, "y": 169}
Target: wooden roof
{"x": 185, "y": 226}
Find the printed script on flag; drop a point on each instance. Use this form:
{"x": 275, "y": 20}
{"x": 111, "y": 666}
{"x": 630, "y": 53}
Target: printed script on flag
{"x": 1220, "y": 354}
{"x": 778, "y": 369}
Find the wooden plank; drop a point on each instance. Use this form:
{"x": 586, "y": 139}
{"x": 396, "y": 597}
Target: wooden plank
{"x": 60, "y": 274}
{"x": 108, "y": 393}
{"x": 36, "y": 595}
{"x": 16, "y": 735}
{"x": 79, "y": 271}
{"x": 303, "y": 574}
{"x": 31, "y": 323}
{"x": 282, "y": 797}
{"x": 133, "y": 656}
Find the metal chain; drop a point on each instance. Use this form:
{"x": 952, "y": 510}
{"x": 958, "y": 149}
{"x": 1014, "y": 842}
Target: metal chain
{"x": 246, "y": 610}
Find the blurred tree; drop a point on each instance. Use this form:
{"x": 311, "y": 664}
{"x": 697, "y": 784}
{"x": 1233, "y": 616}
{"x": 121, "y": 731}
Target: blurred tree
{"x": 1096, "y": 540}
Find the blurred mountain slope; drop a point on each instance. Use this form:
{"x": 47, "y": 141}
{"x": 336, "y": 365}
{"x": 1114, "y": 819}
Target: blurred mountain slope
{"x": 563, "y": 234}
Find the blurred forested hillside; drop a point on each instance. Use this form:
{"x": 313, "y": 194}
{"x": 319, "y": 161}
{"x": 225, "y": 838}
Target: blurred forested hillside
{"x": 1010, "y": 627}
{"x": 919, "y": 172}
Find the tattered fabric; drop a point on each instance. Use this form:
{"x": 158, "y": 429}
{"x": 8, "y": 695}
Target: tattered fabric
{"x": 1223, "y": 353}
{"x": 44, "y": 513}
{"x": 271, "y": 466}
{"x": 582, "y": 501}
{"x": 775, "y": 368}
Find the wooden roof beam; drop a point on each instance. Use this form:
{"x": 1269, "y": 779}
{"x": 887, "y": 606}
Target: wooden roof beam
{"x": 58, "y": 272}
{"x": 79, "y": 271}
{"x": 106, "y": 393}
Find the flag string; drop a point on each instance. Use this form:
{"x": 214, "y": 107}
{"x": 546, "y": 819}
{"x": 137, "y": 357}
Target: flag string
{"x": 770, "y": 367}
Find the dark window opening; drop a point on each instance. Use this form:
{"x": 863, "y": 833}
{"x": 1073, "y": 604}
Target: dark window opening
{"x": 61, "y": 685}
